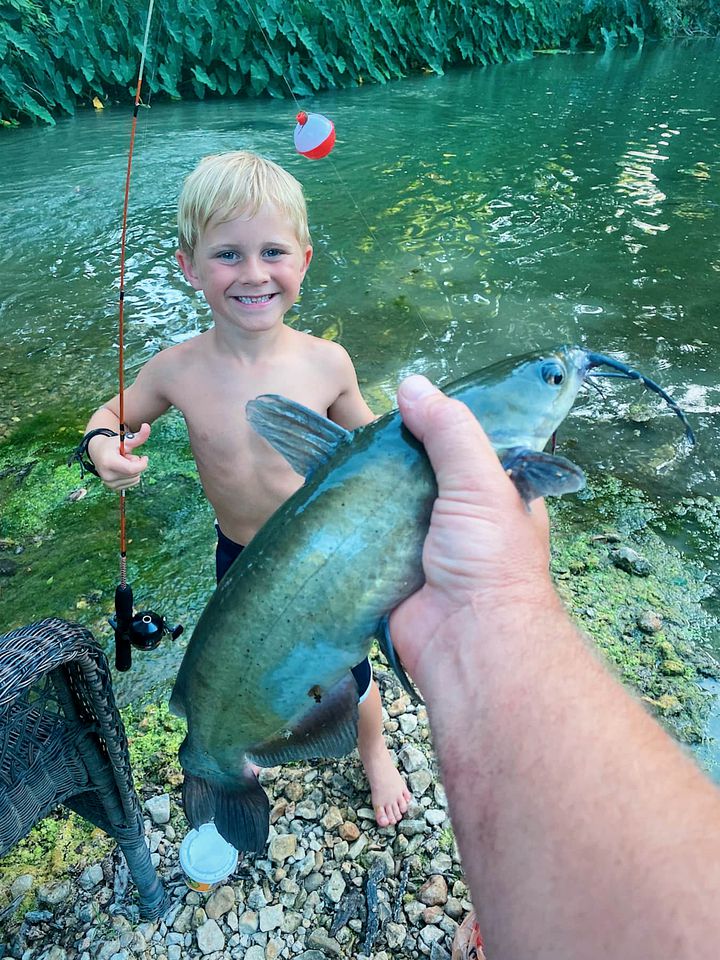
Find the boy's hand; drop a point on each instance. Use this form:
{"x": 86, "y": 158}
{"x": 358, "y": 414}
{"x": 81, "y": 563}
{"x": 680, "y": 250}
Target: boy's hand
{"x": 116, "y": 471}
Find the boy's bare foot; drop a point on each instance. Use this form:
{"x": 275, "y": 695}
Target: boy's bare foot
{"x": 390, "y": 795}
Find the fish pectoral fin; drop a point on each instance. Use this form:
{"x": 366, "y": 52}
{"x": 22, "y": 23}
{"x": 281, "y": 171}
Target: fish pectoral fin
{"x": 537, "y": 474}
{"x": 386, "y": 645}
{"x": 305, "y": 438}
{"x": 327, "y": 729}
{"x": 241, "y": 811}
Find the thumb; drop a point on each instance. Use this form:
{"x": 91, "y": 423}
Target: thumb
{"x": 459, "y": 450}
{"x": 133, "y": 440}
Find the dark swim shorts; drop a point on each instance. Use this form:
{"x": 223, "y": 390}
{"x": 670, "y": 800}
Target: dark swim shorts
{"x": 227, "y": 551}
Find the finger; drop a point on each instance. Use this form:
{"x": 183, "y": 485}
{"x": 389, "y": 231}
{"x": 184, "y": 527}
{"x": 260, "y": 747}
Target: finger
{"x": 127, "y": 472}
{"x": 133, "y": 440}
{"x": 458, "y": 447}
{"x": 119, "y": 485}
{"x": 130, "y": 466}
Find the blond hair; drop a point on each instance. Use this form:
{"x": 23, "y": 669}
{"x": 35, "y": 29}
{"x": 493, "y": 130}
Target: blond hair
{"x": 222, "y": 184}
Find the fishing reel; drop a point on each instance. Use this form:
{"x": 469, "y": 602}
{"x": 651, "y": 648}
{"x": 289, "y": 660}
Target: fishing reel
{"x": 143, "y": 630}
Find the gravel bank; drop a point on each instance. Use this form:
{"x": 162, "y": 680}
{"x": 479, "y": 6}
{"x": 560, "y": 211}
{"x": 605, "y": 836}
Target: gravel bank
{"x": 332, "y": 883}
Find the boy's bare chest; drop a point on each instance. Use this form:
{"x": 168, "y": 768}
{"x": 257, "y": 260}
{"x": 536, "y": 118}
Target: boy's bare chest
{"x": 214, "y": 407}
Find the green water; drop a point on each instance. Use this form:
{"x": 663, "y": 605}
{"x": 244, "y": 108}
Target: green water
{"x": 459, "y": 219}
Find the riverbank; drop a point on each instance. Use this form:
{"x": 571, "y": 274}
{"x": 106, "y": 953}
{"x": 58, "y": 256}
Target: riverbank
{"x": 64, "y": 897}
{"x": 332, "y": 882}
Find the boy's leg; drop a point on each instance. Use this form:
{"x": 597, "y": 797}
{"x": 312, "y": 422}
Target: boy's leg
{"x": 390, "y": 795}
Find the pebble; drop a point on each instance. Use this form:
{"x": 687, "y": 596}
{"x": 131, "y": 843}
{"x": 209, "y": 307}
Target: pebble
{"x": 22, "y": 885}
{"x": 210, "y": 937}
{"x": 335, "y": 887}
{"x": 412, "y": 759}
{"x": 159, "y": 808}
{"x": 281, "y": 905}
{"x": 627, "y": 559}
{"x": 220, "y": 902}
{"x": 420, "y": 781}
{"x": 247, "y": 922}
{"x": 408, "y": 723}
{"x": 283, "y": 846}
{"x": 91, "y": 877}
{"x": 271, "y": 917}
{"x": 318, "y": 939}
{"x": 434, "y": 891}
{"x": 650, "y": 622}
{"x": 54, "y": 895}
{"x": 349, "y": 831}
{"x": 333, "y": 818}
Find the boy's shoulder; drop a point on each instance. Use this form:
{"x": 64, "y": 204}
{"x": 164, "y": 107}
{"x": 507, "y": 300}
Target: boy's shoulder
{"x": 179, "y": 353}
{"x": 170, "y": 367}
{"x": 320, "y": 350}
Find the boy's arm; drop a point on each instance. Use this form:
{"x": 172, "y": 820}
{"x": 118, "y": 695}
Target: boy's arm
{"x": 349, "y": 408}
{"x": 145, "y": 401}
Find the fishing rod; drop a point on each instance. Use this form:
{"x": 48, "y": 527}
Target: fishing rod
{"x": 144, "y": 629}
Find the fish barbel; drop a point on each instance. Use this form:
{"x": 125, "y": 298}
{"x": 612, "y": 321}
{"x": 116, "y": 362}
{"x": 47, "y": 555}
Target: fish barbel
{"x": 266, "y": 676}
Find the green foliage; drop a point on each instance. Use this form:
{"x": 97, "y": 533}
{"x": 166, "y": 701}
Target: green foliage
{"x": 446, "y": 839}
{"x": 154, "y": 738}
{"x": 697, "y": 17}
{"x": 64, "y": 53}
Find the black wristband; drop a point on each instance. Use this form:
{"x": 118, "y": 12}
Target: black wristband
{"x": 81, "y": 454}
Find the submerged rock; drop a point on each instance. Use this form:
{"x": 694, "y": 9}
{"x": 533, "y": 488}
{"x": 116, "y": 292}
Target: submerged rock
{"x": 625, "y": 558}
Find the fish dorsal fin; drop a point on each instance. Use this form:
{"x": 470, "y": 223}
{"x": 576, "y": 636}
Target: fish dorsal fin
{"x": 327, "y": 729}
{"x": 305, "y": 438}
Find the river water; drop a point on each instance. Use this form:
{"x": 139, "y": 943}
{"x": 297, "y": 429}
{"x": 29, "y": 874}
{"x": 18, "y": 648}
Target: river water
{"x": 460, "y": 219}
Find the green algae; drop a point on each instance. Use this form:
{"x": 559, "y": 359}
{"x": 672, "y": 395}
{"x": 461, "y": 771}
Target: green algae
{"x": 61, "y": 552}
{"x": 154, "y": 737}
{"x": 655, "y": 630}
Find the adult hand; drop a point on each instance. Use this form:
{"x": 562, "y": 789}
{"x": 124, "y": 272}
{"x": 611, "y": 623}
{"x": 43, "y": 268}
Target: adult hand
{"x": 484, "y": 549}
{"x": 116, "y": 470}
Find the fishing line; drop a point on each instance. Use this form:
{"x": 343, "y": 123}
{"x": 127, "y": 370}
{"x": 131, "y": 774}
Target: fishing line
{"x": 121, "y": 312}
{"x": 153, "y": 75}
{"x": 145, "y": 629}
{"x": 371, "y": 231}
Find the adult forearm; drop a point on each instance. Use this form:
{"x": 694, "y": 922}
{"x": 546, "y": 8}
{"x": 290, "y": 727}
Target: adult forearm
{"x": 584, "y": 830}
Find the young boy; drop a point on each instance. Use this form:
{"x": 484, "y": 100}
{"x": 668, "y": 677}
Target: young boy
{"x": 245, "y": 242}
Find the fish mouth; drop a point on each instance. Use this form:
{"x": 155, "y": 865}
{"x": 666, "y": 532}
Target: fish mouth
{"x": 624, "y": 372}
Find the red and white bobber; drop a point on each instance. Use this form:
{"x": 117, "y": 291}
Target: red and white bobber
{"x": 314, "y": 135}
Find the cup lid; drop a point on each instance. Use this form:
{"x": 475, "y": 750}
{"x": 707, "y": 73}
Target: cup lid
{"x": 205, "y": 856}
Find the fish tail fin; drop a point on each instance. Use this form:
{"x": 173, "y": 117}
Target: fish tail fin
{"x": 198, "y": 798}
{"x": 241, "y": 810}
{"x": 242, "y": 814}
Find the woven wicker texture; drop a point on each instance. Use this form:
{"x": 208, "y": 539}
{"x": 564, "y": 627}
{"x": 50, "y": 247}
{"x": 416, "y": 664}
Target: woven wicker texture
{"x": 62, "y": 740}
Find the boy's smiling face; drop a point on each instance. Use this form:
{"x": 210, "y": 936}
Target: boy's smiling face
{"x": 249, "y": 268}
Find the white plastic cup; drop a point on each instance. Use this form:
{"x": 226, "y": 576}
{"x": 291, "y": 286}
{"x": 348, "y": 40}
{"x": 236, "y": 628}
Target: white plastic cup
{"x": 206, "y": 858}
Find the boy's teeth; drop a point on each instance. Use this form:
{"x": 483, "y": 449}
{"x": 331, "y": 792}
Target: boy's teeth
{"x": 263, "y": 299}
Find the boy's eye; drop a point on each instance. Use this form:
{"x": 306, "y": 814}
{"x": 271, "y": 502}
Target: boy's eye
{"x": 274, "y": 252}
{"x": 229, "y": 256}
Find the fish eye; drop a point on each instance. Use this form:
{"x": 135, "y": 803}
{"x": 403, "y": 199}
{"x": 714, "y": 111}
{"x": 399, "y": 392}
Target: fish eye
{"x": 552, "y": 372}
